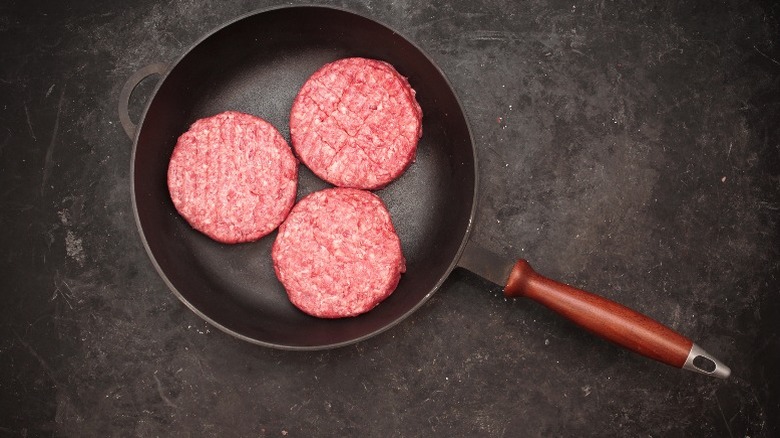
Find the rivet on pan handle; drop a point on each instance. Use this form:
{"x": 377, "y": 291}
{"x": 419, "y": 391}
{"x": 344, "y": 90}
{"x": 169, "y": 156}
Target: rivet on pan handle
{"x": 127, "y": 90}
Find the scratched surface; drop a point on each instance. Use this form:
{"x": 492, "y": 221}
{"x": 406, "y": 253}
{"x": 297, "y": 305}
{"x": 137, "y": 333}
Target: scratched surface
{"x": 630, "y": 149}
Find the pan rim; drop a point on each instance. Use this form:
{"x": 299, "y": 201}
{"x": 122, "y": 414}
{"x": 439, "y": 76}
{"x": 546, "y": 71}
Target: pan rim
{"x": 139, "y": 227}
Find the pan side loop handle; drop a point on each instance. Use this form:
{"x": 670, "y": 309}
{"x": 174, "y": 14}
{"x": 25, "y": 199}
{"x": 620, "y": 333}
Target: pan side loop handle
{"x": 124, "y": 96}
{"x": 613, "y": 322}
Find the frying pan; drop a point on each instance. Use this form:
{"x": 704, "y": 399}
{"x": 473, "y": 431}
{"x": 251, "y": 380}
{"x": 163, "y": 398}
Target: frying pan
{"x": 257, "y": 64}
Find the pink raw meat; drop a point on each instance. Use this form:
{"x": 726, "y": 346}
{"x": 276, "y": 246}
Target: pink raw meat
{"x": 356, "y": 123}
{"x": 337, "y": 253}
{"x": 233, "y": 177}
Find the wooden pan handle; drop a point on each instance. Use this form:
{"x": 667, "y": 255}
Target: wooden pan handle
{"x": 612, "y": 321}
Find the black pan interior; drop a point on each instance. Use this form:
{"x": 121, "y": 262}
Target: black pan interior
{"x": 256, "y": 65}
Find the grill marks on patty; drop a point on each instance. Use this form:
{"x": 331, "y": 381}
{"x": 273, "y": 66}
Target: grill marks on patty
{"x": 233, "y": 177}
{"x": 356, "y": 123}
{"x": 338, "y": 254}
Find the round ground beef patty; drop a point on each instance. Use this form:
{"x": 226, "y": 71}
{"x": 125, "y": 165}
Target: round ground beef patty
{"x": 233, "y": 177}
{"x": 337, "y": 253}
{"x": 356, "y": 123}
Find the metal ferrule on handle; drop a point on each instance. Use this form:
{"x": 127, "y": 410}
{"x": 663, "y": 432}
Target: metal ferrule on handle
{"x": 702, "y": 362}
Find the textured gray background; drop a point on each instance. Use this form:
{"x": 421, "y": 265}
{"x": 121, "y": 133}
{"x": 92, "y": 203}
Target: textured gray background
{"x": 630, "y": 148}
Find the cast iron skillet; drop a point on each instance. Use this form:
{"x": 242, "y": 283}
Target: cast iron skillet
{"x": 257, "y": 64}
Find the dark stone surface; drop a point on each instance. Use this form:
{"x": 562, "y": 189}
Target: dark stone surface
{"x": 632, "y": 149}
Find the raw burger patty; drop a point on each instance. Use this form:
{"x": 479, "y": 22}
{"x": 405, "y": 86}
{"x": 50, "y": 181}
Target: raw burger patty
{"x": 356, "y": 123}
{"x": 337, "y": 253}
{"x": 233, "y": 177}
